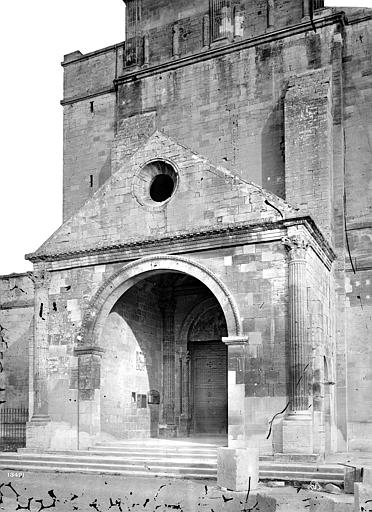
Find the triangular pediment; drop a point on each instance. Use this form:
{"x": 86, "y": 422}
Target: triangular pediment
{"x": 203, "y": 197}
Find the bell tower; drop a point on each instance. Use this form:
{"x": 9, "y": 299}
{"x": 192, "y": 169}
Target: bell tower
{"x": 134, "y": 41}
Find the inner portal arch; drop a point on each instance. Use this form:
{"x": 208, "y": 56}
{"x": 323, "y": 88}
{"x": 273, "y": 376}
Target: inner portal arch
{"x": 164, "y": 366}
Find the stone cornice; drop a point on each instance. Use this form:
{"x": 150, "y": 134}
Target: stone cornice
{"x": 76, "y": 99}
{"x": 238, "y": 234}
{"x": 210, "y": 53}
{"x": 14, "y": 304}
{"x": 89, "y": 55}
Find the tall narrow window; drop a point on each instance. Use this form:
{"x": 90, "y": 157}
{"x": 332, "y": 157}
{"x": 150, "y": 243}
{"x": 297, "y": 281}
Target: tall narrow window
{"x": 133, "y": 39}
{"x": 317, "y": 4}
{"x": 221, "y": 19}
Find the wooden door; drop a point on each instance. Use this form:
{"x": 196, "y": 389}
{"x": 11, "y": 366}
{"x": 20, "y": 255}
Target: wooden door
{"x": 209, "y": 379}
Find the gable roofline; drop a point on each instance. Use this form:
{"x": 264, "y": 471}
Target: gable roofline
{"x": 278, "y": 204}
{"x": 196, "y": 235}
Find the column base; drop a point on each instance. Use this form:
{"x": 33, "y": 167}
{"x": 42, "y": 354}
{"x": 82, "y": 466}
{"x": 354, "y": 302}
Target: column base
{"x": 237, "y": 469}
{"x": 298, "y": 433}
{"x": 167, "y": 431}
{"x": 39, "y": 432}
{"x": 183, "y": 426}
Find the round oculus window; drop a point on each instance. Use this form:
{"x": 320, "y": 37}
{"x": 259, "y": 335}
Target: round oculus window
{"x": 161, "y": 188}
{"x": 155, "y": 183}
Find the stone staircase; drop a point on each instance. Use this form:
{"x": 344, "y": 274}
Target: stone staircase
{"x": 163, "y": 458}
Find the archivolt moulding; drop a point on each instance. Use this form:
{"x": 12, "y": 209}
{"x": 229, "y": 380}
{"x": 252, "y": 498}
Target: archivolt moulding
{"x": 114, "y": 287}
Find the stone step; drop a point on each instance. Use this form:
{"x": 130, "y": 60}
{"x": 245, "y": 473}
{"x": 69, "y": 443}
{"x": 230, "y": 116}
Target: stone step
{"x": 301, "y": 472}
{"x": 161, "y": 466}
{"x": 105, "y": 460}
{"x": 103, "y": 468}
{"x": 144, "y": 449}
{"x": 143, "y": 454}
{"x": 304, "y": 468}
{"x": 161, "y": 448}
{"x": 274, "y": 474}
{"x": 99, "y": 471}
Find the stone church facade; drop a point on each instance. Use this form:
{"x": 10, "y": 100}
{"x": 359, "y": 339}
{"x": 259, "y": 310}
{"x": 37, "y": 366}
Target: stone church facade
{"x": 212, "y": 275}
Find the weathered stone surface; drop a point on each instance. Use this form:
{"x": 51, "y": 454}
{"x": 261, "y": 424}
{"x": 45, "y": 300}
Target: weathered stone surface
{"x": 237, "y": 468}
{"x": 216, "y": 99}
{"x": 16, "y": 337}
{"x": 362, "y": 497}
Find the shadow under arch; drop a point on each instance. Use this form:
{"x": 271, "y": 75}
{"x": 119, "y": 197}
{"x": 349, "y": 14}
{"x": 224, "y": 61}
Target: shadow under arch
{"x": 205, "y": 390}
{"x": 109, "y": 293}
{"x": 203, "y": 307}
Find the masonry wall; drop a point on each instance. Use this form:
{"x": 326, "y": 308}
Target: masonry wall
{"x": 88, "y": 123}
{"x": 16, "y": 338}
{"x": 234, "y": 103}
{"x": 256, "y": 275}
{"x": 132, "y": 364}
{"x": 358, "y": 220}
{"x": 119, "y": 211}
{"x": 322, "y": 353}
{"x": 88, "y": 135}
{"x": 191, "y": 20}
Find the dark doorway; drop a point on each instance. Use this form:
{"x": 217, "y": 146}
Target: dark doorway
{"x": 208, "y": 355}
{"x": 209, "y": 384}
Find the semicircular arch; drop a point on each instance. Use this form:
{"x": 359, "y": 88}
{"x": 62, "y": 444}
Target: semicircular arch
{"x": 114, "y": 287}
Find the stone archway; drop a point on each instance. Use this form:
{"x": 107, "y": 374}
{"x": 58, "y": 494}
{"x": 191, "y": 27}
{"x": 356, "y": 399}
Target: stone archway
{"x": 130, "y": 274}
{"x": 88, "y": 343}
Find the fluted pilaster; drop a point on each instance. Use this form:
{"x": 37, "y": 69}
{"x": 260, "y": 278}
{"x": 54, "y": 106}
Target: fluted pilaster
{"x": 297, "y": 248}
{"x": 297, "y": 427}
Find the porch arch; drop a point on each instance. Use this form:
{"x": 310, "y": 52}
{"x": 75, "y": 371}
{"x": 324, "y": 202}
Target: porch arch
{"x": 108, "y": 294}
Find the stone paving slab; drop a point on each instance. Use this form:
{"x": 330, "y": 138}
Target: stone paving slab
{"x": 35, "y": 492}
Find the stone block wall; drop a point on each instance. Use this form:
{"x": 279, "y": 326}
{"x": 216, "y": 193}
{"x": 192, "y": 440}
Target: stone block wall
{"x": 308, "y": 146}
{"x": 88, "y": 123}
{"x": 88, "y": 136}
{"x": 358, "y": 335}
{"x": 230, "y": 107}
{"x": 132, "y": 364}
{"x": 16, "y": 338}
{"x": 204, "y": 197}
{"x": 192, "y": 19}
{"x": 256, "y": 275}
{"x": 322, "y": 353}
{"x": 235, "y": 103}
{"x": 358, "y": 221}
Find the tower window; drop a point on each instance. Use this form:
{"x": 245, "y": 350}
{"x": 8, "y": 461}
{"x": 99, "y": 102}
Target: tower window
{"x": 221, "y": 19}
{"x": 133, "y": 39}
{"x": 317, "y": 4}
{"x": 133, "y": 13}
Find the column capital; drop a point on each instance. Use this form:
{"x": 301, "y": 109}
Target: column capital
{"x": 297, "y": 246}
{"x": 236, "y": 340}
